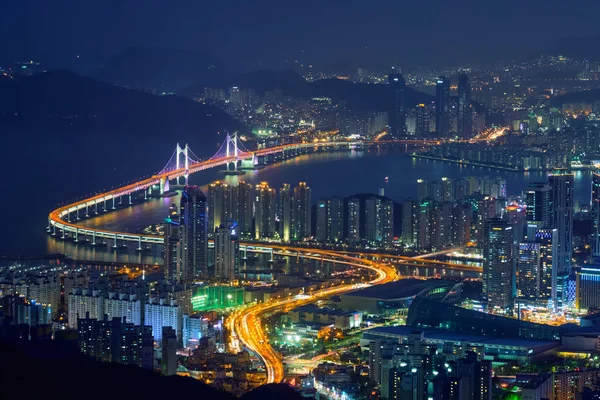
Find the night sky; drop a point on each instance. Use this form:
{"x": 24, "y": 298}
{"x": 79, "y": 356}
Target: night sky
{"x": 321, "y": 32}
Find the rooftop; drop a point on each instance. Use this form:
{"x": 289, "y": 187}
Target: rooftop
{"x": 446, "y": 336}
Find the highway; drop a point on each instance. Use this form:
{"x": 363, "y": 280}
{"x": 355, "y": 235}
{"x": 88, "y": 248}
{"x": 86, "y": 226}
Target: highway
{"x": 245, "y": 325}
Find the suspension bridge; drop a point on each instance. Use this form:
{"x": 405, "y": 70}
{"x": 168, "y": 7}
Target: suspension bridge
{"x": 62, "y": 222}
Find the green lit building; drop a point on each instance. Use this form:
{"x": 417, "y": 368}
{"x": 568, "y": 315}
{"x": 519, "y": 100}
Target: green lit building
{"x": 209, "y": 298}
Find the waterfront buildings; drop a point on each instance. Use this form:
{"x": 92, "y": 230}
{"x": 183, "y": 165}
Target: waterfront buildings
{"x": 301, "y": 215}
{"x": 264, "y": 211}
{"x": 330, "y": 220}
{"x": 227, "y": 250}
{"x": 397, "y": 111}
{"x": 193, "y": 234}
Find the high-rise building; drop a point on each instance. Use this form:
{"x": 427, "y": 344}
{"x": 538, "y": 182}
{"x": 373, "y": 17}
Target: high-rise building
{"x": 353, "y": 220}
{"x": 441, "y": 225}
{"x": 447, "y": 189}
{"x": 131, "y": 344}
{"x": 562, "y": 184}
{"x": 423, "y": 226}
{"x": 422, "y": 190}
{"x": 397, "y": 112}
{"x": 45, "y": 290}
{"x": 226, "y": 252}
{"x": 219, "y": 205}
{"x": 516, "y": 215}
{"x": 94, "y": 337}
{"x": 587, "y": 281}
{"x": 18, "y": 310}
{"x": 193, "y": 329}
{"x": 596, "y": 214}
{"x": 242, "y": 208}
{"x": 498, "y": 272}
{"x": 422, "y": 120}
{"x": 379, "y": 220}
{"x": 408, "y": 214}
{"x": 285, "y": 212}
{"x": 84, "y": 303}
{"x": 330, "y": 220}
{"x": 162, "y": 312}
{"x": 193, "y": 234}
{"x": 442, "y": 106}
{"x": 120, "y": 305}
{"x": 548, "y": 240}
{"x": 301, "y": 227}
{"x": 168, "y": 363}
{"x": 538, "y": 201}
{"x": 435, "y": 191}
{"x": 264, "y": 206}
{"x": 567, "y": 385}
{"x": 172, "y": 249}
{"x": 465, "y": 110}
{"x": 461, "y": 224}
{"x": 528, "y": 271}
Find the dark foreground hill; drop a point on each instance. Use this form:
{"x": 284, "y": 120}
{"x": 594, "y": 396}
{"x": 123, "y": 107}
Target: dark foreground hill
{"x": 55, "y": 369}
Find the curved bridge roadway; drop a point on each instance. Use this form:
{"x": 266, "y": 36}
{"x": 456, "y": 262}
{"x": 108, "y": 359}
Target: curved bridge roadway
{"x": 244, "y": 325}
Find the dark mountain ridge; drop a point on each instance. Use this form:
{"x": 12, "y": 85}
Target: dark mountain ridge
{"x": 61, "y": 100}
{"x": 356, "y": 95}
{"x": 156, "y": 69}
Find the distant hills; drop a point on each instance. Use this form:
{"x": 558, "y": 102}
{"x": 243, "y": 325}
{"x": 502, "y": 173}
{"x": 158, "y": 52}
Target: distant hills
{"x": 62, "y": 100}
{"x": 583, "y": 47}
{"x": 356, "y": 95}
{"x": 587, "y": 96}
{"x": 160, "y": 70}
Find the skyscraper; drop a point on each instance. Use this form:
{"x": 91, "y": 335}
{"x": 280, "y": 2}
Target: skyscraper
{"x": 353, "y": 218}
{"x": 172, "y": 266}
{"x": 264, "y": 206}
{"x": 242, "y": 208}
{"x": 538, "y": 200}
{"x": 330, "y": 220}
{"x": 548, "y": 240}
{"x": 408, "y": 211}
{"x": 596, "y": 214}
{"x": 226, "y": 252}
{"x": 422, "y": 120}
{"x": 192, "y": 234}
{"x": 422, "y": 190}
{"x": 285, "y": 212}
{"x": 379, "y": 220}
{"x": 301, "y": 228}
{"x": 397, "y": 113}
{"x": 498, "y": 273}
{"x": 465, "y": 110}
{"x": 219, "y": 205}
{"x": 528, "y": 271}
{"x": 442, "y": 106}
{"x": 562, "y": 181}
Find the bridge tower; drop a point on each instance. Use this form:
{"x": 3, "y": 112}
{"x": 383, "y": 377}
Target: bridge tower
{"x": 186, "y": 162}
{"x": 232, "y": 141}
